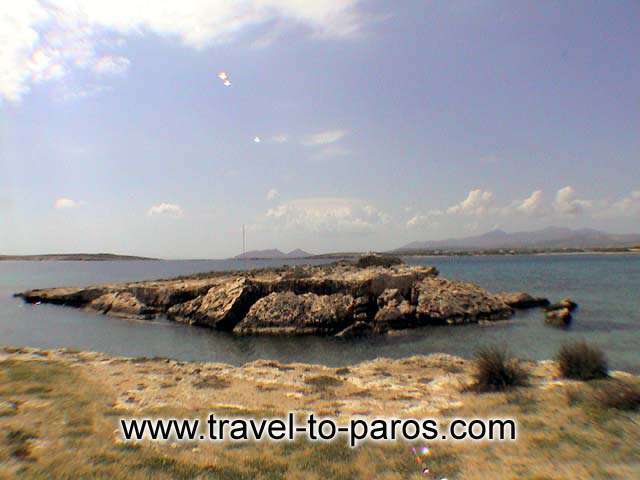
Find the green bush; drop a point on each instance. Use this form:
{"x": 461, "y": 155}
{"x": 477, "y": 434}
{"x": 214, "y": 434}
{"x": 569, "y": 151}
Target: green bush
{"x": 378, "y": 261}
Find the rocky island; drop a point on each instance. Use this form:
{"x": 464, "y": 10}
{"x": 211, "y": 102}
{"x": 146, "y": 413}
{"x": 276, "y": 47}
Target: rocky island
{"x": 346, "y": 299}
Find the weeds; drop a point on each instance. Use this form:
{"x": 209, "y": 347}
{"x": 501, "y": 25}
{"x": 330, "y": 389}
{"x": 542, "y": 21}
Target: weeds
{"x": 581, "y": 361}
{"x": 496, "y": 371}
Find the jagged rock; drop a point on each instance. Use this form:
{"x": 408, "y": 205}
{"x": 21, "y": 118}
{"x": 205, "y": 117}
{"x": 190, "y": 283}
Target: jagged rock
{"x": 364, "y": 308}
{"x": 396, "y": 317}
{"x": 163, "y": 296}
{"x": 521, "y": 300}
{"x": 71, "y": 296}
{"x": 222, "y": 307}
{"x": 565, "y": 303}
{"x": 558, "y": 317}
{"x": 122, "y": 304}
{"x": 323, "y": 300}
{"x": 357, "y": 330}
{"x": 443, "y": 301}
{"x": 390, "y": 297}
{"x": 285, "y": 313}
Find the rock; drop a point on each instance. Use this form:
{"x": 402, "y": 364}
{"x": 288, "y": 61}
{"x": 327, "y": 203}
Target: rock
{"x": 321, "y": 300}
{"x": 73, "y": 297}
{"x": 390, "y": 297}
{"x": 558, "y": 318}
{"x": 222, "y": 307}
{"x": 392, "y": 317}
{"x": 285, "y": 313}
{"x": 565, "y": 303}
{"x": 122, "y": 304}
{"x": 364, "y": 308}
{"x": 521, "y": 300}
{"x": 440, "y": 301}
{"x": 357, "y": 330}
{"x": 163, "y": 296}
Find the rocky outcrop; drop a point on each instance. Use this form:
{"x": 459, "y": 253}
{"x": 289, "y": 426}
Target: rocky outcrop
{"x": 358, "y": 329}
{"x": 72, "y": 297}
{"x": 559, "y": 317}
{"x": 122, "y": 304}
{"x": 339, "y": 299}
{"x": 560, "y": 314}
{"x": 222, "y": 307}
{"x": 565, "y": 303}
{"x": 308, "y": 313}
{"x": 440, "y": 301}
{"x": 521, "y": 300}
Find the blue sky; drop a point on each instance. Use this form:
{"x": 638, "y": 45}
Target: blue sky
{"x": 379, "y": 123}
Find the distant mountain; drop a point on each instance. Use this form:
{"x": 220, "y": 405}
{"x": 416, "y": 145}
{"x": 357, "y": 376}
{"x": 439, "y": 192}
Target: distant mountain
{"x": 84, "y": 257}
{"x": 272, "y": 254}
{"x": 551, "y": 237}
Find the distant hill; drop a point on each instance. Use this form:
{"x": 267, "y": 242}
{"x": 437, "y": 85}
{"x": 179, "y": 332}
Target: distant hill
{"x": 547, "y": 238}
{"x": 84, "y": 257}
{"x": 273, "y": 254}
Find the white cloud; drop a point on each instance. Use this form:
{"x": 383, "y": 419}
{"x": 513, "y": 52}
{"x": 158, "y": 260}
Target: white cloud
{"x": 324, "y": 138}
{"x": 111, "y": 65}
{"x": 420, "y": 220}
{"x": 44, "y": 40}
{"x": 629, "y": 205}
{"x": 272, "y": 194}
{"x": 476, "y": 203}
{"x": 532, "y": 204}
{"x": 64, "y": 202}
{"x": 566, "y": 202}
{"x": 327, "y": 215}
{"x": 169, "y": 209}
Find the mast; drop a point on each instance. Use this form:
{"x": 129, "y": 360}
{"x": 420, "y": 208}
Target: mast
{"x": 244, "y": 242}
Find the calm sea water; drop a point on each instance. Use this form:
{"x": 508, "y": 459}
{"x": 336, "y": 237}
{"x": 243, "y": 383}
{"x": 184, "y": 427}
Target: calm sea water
{"x": 607, "y": 287}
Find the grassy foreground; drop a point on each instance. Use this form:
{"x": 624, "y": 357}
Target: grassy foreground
{"x": 59, "y": 415}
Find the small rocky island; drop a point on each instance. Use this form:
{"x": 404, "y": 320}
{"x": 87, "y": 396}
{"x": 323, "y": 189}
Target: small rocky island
{"x": 347, "y": 299}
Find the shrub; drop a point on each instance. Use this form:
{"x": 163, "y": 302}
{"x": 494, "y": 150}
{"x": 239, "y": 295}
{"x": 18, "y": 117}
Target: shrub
{"x": 617, "y": 394}
{"x": 215, "y": 382}
{"x": 322, "y": 382}
{"x": 496, "y": 370}
{"x": 378, "y": 261}
{"x": 581, "y": 361}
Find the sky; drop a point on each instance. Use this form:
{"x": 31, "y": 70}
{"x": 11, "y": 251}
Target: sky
{"x": 344, "y": 124}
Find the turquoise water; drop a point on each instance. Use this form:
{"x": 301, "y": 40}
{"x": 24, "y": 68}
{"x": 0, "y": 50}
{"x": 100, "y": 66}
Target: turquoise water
{"x": 607, "y": 287}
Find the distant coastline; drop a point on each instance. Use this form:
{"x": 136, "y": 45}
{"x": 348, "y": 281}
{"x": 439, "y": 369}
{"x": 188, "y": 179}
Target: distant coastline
{"x": 513, "y": 252}
{"x": 78, "y": 257}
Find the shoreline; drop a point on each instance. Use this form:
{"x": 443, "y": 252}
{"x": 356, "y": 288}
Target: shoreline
{"x": 435, "y": 357}
{"x": 61, "y": 412}
{"x": 320, "y": 257}
{"x": 415, "y": 386}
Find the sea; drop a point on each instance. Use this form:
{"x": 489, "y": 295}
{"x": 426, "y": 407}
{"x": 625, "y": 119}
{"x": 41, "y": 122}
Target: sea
{"x": 606, "y": 287}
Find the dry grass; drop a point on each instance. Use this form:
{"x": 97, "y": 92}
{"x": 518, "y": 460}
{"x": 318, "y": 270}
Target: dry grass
{"x": 581, "y": 361}
{"x": 619, "y": 395}
{"x": 323, "y": 382}
{"x": 215, "y": 382}
{"x": 63, "y": 428}
{"x": 601, "y": 396}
